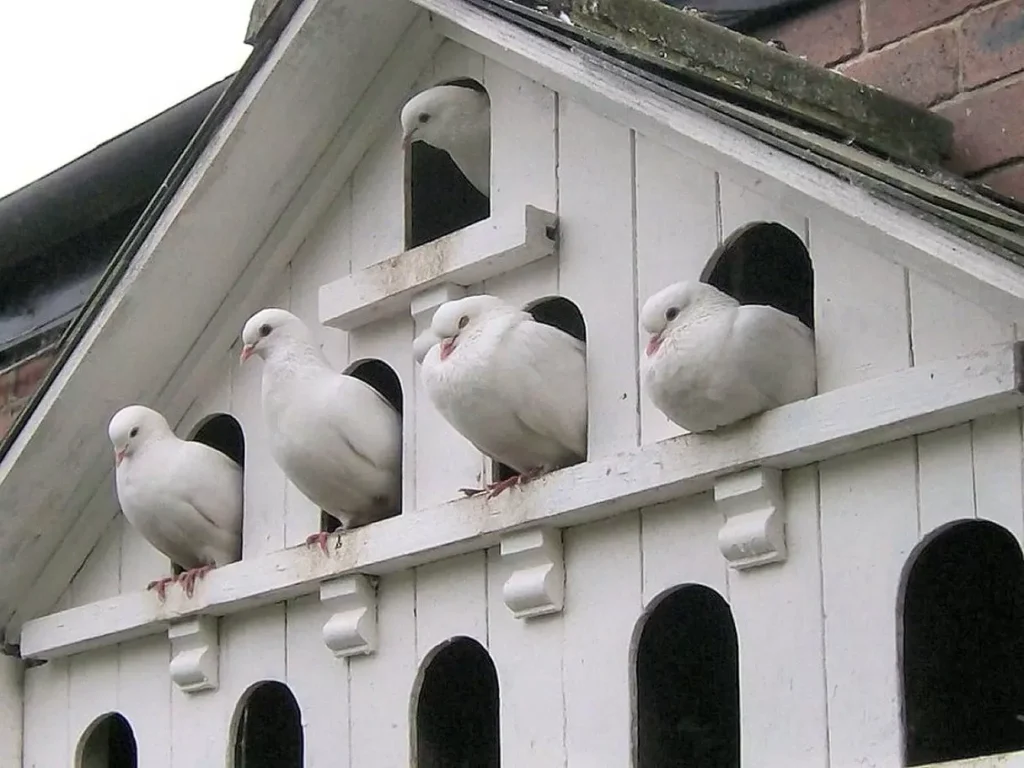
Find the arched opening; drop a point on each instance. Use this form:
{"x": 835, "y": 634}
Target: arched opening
{"x": 961, "y": 615}
{"x": 456, "y": 708}
{"x": 765, "y": 263}
{"x": 439, "y": 198}
{"x": 563, "y": 314}
{"x": 686, "y": 697}
{"x": 108, "y": 743}
{"x": 268, "y": 728}
{"x": 223, "y": 433}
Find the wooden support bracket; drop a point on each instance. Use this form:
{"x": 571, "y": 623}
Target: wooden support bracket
{"x": 755, "y": 517}
{"x": 195, "y": 654}
{"x": 536, "y": 584}
{"x": 352, "y": 628}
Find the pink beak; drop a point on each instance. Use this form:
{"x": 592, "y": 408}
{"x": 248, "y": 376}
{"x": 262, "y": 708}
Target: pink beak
{"x": 653, "y": 344}
{"x": 447, "y": 345}
{"x": 246, "y": 353}
{"x": 119, "y": 457}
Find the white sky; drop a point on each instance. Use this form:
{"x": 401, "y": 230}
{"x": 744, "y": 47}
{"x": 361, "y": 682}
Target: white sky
{"x": 74, "y": 73}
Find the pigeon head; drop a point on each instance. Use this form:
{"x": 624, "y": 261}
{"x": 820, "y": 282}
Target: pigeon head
{"x": 269, "y": 329}
{"x": 444, "y": 115}
{"x": 671, "y": 306}
{"x": 462, "y": 317}
{"x": 134, "y": 426}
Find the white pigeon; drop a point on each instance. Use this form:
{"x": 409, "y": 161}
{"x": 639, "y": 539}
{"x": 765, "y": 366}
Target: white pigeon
{"x": 515, "y": 388}
{"x": 185, "y": 498}
{"x": 711, "y": 361}
{"x": 457, "y": 119}
{"x": 336, "y": 438}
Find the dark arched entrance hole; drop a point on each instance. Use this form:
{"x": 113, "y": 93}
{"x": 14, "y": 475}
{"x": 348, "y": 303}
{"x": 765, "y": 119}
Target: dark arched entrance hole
{"x": 961, "y": 651}
{"x": 268, "y": 733}
{"x": 687, "y": 703}
{"x": 110, "y": 743}
{"x": 457, "y": 709}
{"x": 765, "y": 263}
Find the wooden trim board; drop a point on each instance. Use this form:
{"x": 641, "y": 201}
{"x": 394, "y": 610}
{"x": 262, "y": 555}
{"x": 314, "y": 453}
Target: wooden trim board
{"x": 498, "y": 244}
{"x": 841, "y": 421}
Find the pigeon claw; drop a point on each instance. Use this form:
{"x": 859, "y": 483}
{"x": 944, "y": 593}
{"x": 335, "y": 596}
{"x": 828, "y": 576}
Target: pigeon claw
{"x": 521, "y": 479}
{"x": 470, "y": 492}
{"x": 160, "y": 585}
{"x": 320, "y": 537}
{"x": 188, "y": 578}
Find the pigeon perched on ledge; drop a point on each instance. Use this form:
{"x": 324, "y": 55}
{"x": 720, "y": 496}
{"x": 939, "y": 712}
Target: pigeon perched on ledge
{"x": 710, "y": 361}
{"x": 336, "y": 438}
{"x": 185, "y": 498}
{"x": 514, "y": 387}
{"x": 456, "y": 118}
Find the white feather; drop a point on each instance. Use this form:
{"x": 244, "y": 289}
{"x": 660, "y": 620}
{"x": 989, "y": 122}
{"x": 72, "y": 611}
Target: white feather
{"x": 335, "y": 437}
{"x": 185, "y": 498}
{"x": 718, "y": 361}
{"x": 513, "y": 387}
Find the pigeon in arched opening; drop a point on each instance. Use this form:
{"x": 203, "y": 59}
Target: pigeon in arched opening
{"x": 514, "y": 387}
{"x": 184, "y": 497}
{"x": 336, "y": 438}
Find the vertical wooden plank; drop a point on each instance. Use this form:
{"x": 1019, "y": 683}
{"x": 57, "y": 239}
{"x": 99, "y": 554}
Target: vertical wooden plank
{"x": 748, "y": 202}
{"x": 602, "y": 605}
{"x": 596, "y": 267}
{"x": 263, "y": 522}
{"x": 320, "y": 683}
{"x": 144, "y": 697}
{"x": 378, "y": 201}
{"x": 454, "y": 60}
{"x": 944, "y": 326}
{"x": 680, "y": 546}
{"x": 860, "y": 309}
{"x": 524, "y": 158}
{"x": 47, "y": 741}
{"x": 92, "y": 690}
{"x": 451, "y": 601}
{"x": 324, "y": 256}
{"x": 999, "y": 471}
{"x": 779, "y": 621}
{"x": 524, "y": 133}
{"x": 946, "y": 477}
{"x": 100, "y": 577}
{"x": 381, "y": 684}
{"x": 528, "y": 657}
{"x": 676, "y": 233}
{"x": 868, "y": 529}
{"x": 201, "y": 722}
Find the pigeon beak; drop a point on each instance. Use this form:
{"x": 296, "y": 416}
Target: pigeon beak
{"x": 247, "y": 351}
{"x": 447, "y": 345}
{"x": 119, "y": 456}
{"x": 406, "y": 140}
{"x": 653, "y": 344}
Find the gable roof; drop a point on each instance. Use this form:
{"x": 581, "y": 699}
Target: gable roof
{"x": 270, "y": 158}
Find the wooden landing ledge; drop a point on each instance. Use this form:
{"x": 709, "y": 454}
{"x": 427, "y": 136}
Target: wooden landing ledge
{"x": 491, "y": 247}
{"x": 871, "y": 413}
{"x": 1005, "y": 760}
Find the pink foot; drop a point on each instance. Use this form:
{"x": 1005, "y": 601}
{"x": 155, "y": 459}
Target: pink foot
{"x": 160, "y": 585}
{"x": 468, "y": 492}
{"x": 318, "y": 538}
{"x": 521, "y": 479}
{"x": 188, "y": 578}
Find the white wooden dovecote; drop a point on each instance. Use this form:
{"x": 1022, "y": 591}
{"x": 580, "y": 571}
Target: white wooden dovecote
{"x": 917, "y": 424}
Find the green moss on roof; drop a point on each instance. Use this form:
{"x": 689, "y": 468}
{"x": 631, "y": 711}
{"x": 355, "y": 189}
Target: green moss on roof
{"x": 684, "y": 42}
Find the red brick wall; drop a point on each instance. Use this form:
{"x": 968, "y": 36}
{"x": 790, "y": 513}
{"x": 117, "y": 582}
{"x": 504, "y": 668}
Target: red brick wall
{"x": 962, "y": 58}
{"x": 18, "y": 383}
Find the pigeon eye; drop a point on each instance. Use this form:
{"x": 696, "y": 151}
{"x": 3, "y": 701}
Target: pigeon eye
{"x": 671, "y": 314}
{"x": 134, "y": 432}
{"x": 265, "y": 330}
{"x": 463, "y": 322}
{"x": 424, "y": 118}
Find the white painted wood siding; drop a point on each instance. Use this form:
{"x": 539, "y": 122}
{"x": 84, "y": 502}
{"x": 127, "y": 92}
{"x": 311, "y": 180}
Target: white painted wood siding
{"x": 817, "y": 634}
